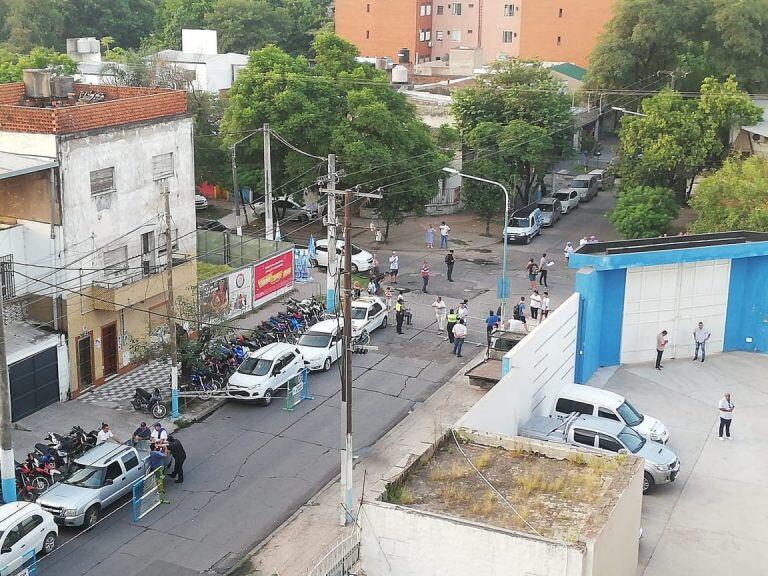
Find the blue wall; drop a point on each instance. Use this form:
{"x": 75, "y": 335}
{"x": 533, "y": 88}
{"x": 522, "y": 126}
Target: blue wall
{"x": 601, "y": 313}
{"x": 747, "y": 313}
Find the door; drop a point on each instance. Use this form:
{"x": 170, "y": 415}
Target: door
{"x": 84, "y": 362}
{"x": 34, "y": 383}
{"x": 148, "y": 253}
{"x": 114, "y": 480}
{"x": 133, "y": 469}
{"x": 674, "y": 297}
{"x": 109, "y": 349}
{"x": 13, "y": 548}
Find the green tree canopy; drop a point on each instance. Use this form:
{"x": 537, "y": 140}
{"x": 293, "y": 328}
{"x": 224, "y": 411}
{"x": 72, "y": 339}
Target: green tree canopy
{"x": 517, "y": 117}
{"x": 31, "y": 23}
{"x": 733, "y": 198}
{"x": 12, "y": 65}
{"x": 643, "y": 211}
{"x": 175, "y": 15}
{"x": 127, "y": 21}
{"x": 337, "y": 106}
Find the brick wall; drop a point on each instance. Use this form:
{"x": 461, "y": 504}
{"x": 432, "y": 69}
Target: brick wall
{"x": 123, "y": 105}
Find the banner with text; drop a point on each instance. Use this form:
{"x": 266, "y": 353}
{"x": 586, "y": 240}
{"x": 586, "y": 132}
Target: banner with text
{"x": 240, "y": 292}
{"x": 272, "y": 277}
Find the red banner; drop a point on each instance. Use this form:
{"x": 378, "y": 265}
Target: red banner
{"x": 271, "y": 277}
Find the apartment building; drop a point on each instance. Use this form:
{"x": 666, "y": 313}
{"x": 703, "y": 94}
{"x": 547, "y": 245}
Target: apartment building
{"x": 83, "y": 174}
{"x": 548, "y": 30}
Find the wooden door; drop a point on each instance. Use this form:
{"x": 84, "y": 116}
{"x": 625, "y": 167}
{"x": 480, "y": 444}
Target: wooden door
{"x": 109, "y": 349}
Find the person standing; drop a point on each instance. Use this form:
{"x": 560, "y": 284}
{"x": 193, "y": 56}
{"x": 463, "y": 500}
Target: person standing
{"x": 726, "y": 416}
{"x": 372, "y": 286}
{"x": 379, "y": 236}
{"x": 444, "y": 229}
{"x": 424, "y": 276}
{"x": 583, "y": 241}
{"x": 567, "y": 251}
{"x": 459, "y": 333}
{"x": 532, "y": 270}
{"x": 104, "y": 434}
{"x": 388, "y": 298}
{"x": 449, "y": 262}
{"x": 491, "y": 323}
{"x": 463, "y": 312}
{"x": 439, "y": 306}
{"x": 544, "y": 306}
{"x": 394, "y": 267}
{"x": 518, "y": 312}
{"x": 375, "y": 266}
{"x": 452, "y": 319}
{"x": 700, "y": 337}
{"x": 661, "y": 343}
{"x": 399, "y": 314}
{"x": 543, "y": 270}
{"x": 179, "y": 455}
{"x": 535, "y": 304}
{"x": 430, "y": 236}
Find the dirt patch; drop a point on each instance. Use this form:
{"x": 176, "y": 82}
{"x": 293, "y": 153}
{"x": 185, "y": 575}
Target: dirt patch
{"x": 553, "y": 498}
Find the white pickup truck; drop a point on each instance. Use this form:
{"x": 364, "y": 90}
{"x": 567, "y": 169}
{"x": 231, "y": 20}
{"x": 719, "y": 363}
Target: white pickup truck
{"x": 606, "y": 436}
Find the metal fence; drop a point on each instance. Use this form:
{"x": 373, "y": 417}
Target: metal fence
{"x": 227, "y": 248}
{"x": 338, "y": 560}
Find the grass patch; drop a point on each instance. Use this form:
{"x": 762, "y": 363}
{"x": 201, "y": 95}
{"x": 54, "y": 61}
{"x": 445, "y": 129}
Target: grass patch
{"x": 206, "y": 270}
{"x": 454, "y": 494}
{"x": 531, "y": 482}
{"x": 182, "y": 423}
{"x": 397, "y": 493}
{"x": 453, "y": 471}
{"x": 486, "y": 505}
{"x": 483, "y": 459}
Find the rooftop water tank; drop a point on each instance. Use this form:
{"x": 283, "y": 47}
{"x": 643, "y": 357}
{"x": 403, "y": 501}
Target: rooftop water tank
{"x": 399, "y": 74}
{"x": 37, "y": 83}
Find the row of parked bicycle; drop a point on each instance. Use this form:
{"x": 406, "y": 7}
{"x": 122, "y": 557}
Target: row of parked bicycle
{"x": 50, "y": 459}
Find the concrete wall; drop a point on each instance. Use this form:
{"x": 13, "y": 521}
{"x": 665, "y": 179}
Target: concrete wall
{"x": 379, "y": 27}
{"x": 28, "y": 242}
{"x": 445, "y": 22}
{"x": 401, "y": 542}
{"x": 28, "y": 197}
{"x": 746, "y": 324}
{"x": 538, "y": 367}
{"x": 27, "y": 143}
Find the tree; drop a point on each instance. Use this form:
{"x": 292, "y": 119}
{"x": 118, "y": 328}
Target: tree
{"x": 31, "y": 23}
{"x": 643, "y": 211}
{"x": 12, "y": 65}
{"x": 127, "y": 21}
{"x": 211, "y": 160}
{"x": 245, "y": 25}
{"x": 516, "y": 117}
{"x": 337, "y": 106}
{"x": 175, "y": 15}
{"x": 675, "y": 139}
{"x": 733, "y": 198}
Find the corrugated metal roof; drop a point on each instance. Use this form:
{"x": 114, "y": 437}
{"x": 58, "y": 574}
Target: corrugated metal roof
{"x": 17, "y": 164}
{"x": 761, "y": 127}
{"x": 570, "y": 70}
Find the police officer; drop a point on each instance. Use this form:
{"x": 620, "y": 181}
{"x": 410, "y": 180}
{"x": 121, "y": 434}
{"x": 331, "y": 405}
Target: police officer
{"x": 399, "y": 313}
{"x": 452, "y": 318}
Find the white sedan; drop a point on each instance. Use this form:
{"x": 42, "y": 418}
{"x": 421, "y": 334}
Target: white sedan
{"x": 569, "y": 199}
{"x": 368, "y": 313}
{"x": 362, "y": 261}
{"x": 321, "y": 345}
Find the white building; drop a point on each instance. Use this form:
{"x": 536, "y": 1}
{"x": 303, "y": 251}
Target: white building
{"x": 82, "y": 241}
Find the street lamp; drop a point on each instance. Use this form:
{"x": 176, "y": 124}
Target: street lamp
{"x": 501, "y": 291}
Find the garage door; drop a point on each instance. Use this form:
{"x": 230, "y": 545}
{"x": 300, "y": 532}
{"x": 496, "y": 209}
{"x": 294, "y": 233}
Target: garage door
{"x": 34, "y": 383}
{"x": 674, "y": 298}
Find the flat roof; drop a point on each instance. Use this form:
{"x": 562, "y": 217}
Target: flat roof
{"x": 17, "y": 164}
{"x": 23, "y": 340}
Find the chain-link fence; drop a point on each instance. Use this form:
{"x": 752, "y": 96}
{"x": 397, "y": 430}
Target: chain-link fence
{"x": 226, "y": 248}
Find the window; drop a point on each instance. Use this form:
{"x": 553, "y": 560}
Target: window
{"x": 367, "y": 34}
{"x": 425, "y": 9}
{"x": 162, "y": 166}
{"x": 113, "y": 471}
{"x": 608, "y": 443}
{"x": 558, "y": 40}
{"x": 560, "y": 13}
{"x": 606, "y": 413}
{"x": 568, "y": 406}
{"x": 116, "y": 261}
{"x": 102, "y": 181}
{"x": 456, "y": 35}
{"x": 130, "y": 461}
{"x": 585, "y": 437}
{"x": 439, "y": 10}
{"x": 367, "y": 7}
{"x": 7, "y": 284}
{"x": 14, "y": 535}
{"x": 425, "y": 35}
{"x": 469, "y": 31}
{"x": 438, "y": 35}
{"x": 456, "y": 9}
{"x": 161, "y": 241}
{"x": 506, "y": 36}
{"x": 509, "y": 9}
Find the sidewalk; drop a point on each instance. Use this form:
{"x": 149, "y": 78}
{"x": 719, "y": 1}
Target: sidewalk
{"x": 297, "y": 545}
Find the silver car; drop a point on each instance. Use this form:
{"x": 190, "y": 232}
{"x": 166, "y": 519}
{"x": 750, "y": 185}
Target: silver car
{"x": 287, "y": 209}
{"x": 551, "y": 209}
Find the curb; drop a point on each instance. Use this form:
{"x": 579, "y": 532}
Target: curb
{"x": 204, "y": 413}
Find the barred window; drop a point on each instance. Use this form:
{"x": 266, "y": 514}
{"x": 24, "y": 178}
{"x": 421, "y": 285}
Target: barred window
{"x": 7, "y": 284}
{"x": 162, "y": 166}
{"x": 116, "y": 261}
{"x": 102, "y": 181}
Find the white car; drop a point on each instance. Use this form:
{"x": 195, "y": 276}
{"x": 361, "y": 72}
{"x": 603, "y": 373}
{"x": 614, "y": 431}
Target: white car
{"x": 24, "y": 527}
{"x": 368, "y": 313}
{"x": 362, "y": 261}
{"x": 264, "y": 371}
{"x": 201, "y": 202}
{"x": 321, "y": 345}
{"x": 569, "y": 199}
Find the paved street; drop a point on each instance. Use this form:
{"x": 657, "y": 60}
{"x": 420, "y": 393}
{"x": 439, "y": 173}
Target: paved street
{"x": 250, "y": 467}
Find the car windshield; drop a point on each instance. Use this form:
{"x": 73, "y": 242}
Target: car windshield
{"x": 84, "y": 476}
{"x": 519, "y": 222}
{"x": 561, "y": 195}
{"x": 628, "y": 413}
{"x": 546, "y": 207}
{"x": 580, "y": 184}
{"x": 315, "y": 340}
{"x": 631, "y": 439}
{"x": 356, "y": 250}
{"x": 359, "y": 313}
{"x": 255, "y": 366}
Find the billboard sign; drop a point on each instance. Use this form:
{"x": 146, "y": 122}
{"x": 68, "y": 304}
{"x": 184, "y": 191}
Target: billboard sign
{"x": 272, "y": 277}
{"x": 240, "y": 293}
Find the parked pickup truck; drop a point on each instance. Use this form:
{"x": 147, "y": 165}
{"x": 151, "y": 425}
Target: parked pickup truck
{"x": 607, "y": 436}
{"x": 94, "y": 481}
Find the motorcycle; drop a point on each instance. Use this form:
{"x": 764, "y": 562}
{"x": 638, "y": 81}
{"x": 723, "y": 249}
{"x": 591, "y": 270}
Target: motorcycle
{"x": 144, "y": 400}
{"x": 42, "y": 475}
{"x": 26, "y": 490}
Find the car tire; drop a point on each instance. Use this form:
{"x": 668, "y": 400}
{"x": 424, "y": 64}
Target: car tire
{"x": 267, "y": 399}
{"x": 527, "y": 240}
{"x": 49, "y": 543}
{"x": 385, "y": 321}
{"x": 354, "y": 269}
{"x": 648, "y": 482}
{"x": 327, "y": 364}
{"x": 91, "y": 516}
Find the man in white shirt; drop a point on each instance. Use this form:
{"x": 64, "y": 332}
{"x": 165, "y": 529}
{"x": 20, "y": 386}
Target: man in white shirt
{"x": 459, "y": 333}
{"x": 463, "y": 312}
{"x": 104, "y": 434}
{"x": 394, "y": 267}
{"x": 159, "y": 434}
{"x": 535, "y": 299}
{"x": 544, "y": 306}
{"x": 440, "y": 311}
{"x": 444, "y": 229}
{"x": 726, "y": 415}
{"x": 700, "y": 337}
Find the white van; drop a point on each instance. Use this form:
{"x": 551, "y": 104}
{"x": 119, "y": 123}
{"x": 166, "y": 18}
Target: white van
{"x": 592, "y": 401}
{"x": 524, "y": 224}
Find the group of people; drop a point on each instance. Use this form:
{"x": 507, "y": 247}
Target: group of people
{"x": 443, "y": 229}
{"x": 160, "y": 445}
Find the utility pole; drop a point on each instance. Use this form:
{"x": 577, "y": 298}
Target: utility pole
{"x": 7, "y": 462}
{"x": 235, "y": 188}
{"x": 347, "y": 493}
{"x": 171, "y": 304}
{"x": 332, "y": 272}
{"x": 270, "y": 235}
